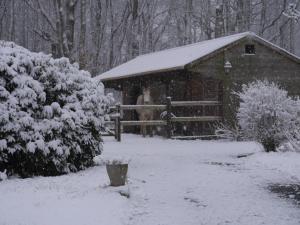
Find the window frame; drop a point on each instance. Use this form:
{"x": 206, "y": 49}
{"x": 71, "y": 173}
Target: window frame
{"x": 250, "y": 49}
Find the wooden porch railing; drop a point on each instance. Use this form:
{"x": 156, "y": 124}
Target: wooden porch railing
{"x": 169, "y": 119}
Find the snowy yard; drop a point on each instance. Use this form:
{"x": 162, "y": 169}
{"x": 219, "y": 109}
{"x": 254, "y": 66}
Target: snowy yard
{"x": 170, "y": 183}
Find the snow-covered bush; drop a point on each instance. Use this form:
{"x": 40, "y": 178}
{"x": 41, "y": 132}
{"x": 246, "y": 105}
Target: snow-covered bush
{"x": 51, "y": 114}
{"x": 293, "y": 136}
{"x": 267, "y": 113}
{"x": 228, "y": 132}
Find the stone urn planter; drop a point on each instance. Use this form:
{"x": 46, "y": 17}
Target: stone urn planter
{"x": 117, "y": 172}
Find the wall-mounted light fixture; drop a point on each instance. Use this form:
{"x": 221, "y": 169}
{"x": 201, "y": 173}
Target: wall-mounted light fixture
{"x": 227, "y": 67}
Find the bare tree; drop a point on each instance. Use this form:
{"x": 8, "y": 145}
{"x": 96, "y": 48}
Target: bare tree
{"x": 3, "y": 13}
{"x": 113, "y": 31}
{"x": 82, "y": 49}
{"x": 219, "y": 27}
{"x": 12, "y": 21}
{"x": 243, "y": 16}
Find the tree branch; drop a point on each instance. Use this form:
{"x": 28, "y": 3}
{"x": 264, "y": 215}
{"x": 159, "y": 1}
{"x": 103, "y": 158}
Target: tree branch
{"x": 46, "y": 16}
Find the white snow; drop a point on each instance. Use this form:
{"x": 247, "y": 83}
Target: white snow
{"x": 292, "y": 12}
{"x": 286, "y": 163}
{"x": 267, "y": 111}
{"x": 3, "y": 144}
{"x": 3, "y": 175}
{"x": 170, "y": 182}
{"x": 174, "y": 58}
{"x": 177, "y": 58}
{"x": 50, "y": 106}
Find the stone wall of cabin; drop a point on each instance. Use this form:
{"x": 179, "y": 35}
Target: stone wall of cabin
{"x": 207, "y": 80}
{"x": 266, "y": 63}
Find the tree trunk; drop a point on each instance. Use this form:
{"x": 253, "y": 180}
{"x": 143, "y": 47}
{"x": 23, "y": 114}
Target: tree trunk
{"x": 135, "y": 32}
{"x": 58, "y": 46}
{"x": 188, "y": 21}
{"x": 12, "y": 21}
{"x": 82, "y": 50}
{"x": 219, "y": 27}
{"x": 68, "y": 34}
{"x": 263, "y": 17}
{"x": 239, "y": 15}
{"x": 112, "y": 37}
{"x": 247, "y": 13}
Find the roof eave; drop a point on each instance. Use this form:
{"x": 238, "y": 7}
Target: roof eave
{"x": 142, "y": 74}
{"x": 254, "y": 37}
{"x": 278, "y": 49}
{"x": 250, "y": 35}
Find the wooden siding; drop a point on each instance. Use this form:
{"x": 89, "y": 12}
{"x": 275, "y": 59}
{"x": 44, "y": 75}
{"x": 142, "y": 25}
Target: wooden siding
{"x": 265, "y": 64}
{"x": 207, "y": 80}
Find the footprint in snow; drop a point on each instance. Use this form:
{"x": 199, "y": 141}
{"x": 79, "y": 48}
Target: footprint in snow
{"x": 195, "y": 201}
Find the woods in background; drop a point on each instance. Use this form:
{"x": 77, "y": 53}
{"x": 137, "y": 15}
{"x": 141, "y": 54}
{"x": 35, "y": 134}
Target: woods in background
{"x": 100, "y": 34}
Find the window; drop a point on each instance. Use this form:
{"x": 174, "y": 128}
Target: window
{"x": 250, "y": 49}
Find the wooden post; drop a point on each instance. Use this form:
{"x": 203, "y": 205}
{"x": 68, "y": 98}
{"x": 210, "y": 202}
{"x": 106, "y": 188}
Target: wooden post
{"x": 118, "y": 123}
{"x": 220, "y": 99}
{"x": 168, "y": 118}
{"x": 116, "y": 128}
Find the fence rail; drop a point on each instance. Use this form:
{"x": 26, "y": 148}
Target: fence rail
{"x": 169, "y": 118}
{"x": 144, "y": 123}
{"x": 196, "y": 119}
{"x": 135, "y": 107}
{"x": 173, "y": 104}
{"x": 195, "y": 103}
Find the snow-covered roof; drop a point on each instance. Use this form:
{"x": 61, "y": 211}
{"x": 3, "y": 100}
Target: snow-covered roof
{"x": 174, "y": 58}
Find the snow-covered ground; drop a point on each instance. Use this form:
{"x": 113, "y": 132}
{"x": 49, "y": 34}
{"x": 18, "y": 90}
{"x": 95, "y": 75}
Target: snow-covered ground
{"x": 170, "y": 183}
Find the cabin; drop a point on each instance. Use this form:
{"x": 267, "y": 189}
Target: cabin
{"x": 206, "y": 71}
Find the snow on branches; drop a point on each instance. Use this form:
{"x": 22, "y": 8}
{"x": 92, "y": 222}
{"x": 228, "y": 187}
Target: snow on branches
{"x": 51, "y": 113}
{"x": 267, "y": 114}
{"x": 292, "y": 12}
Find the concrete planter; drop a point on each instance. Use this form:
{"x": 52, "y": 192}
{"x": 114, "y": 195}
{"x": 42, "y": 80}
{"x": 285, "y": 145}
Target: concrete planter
{"x": 117, "y": 174}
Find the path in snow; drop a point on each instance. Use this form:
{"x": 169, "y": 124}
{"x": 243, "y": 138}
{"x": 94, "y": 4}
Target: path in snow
{"x": 194, "y": 182}
{"x": 170, "y": 183}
